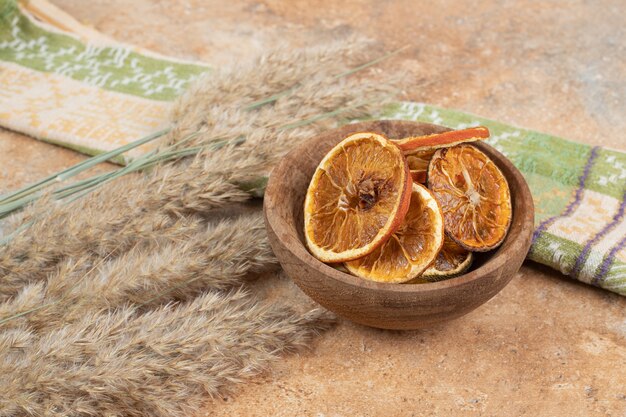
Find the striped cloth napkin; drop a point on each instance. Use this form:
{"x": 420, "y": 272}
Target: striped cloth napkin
{"x": 93, "y": 95}
{"x": 80, "y": 90}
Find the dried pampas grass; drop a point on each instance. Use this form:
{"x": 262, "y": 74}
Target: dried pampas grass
{"x": 166, "y": 362}
{"x": 87, "y": 229}
{"x": 128, "y": 301}
{"x": 247, "y": 86}
{"x": 218, "y": 257}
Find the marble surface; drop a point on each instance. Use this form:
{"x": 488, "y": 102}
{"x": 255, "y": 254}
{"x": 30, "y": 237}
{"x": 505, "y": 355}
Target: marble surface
{"x": 545, "y": 345}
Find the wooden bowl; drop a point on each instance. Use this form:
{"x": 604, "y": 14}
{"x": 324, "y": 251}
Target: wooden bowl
{"x": 387, "y": 306}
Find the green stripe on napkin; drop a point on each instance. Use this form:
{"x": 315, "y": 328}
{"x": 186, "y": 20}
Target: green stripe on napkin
{"x": 119, "y": 69}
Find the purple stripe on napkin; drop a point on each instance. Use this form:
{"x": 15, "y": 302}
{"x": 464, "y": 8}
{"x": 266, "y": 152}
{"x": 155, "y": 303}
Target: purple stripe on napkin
{"x": 580, "y": 261}
{"x": 603, "y": 270}
{"x": 577, "y": 197}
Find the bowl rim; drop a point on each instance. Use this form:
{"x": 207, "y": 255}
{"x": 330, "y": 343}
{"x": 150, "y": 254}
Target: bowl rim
{"x": 494, "y": 263}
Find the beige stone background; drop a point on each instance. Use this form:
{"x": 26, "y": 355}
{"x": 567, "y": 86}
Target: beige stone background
{"x": 544, "y": 346}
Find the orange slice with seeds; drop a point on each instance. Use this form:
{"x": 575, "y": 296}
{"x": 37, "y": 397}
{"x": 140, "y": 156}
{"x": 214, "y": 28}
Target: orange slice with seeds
{"x": 474, "y": 197}
{"x": 451, "y": 261}
{"x": 357, "y": 198}
{"x": 440, "y": 140}
{"x": 411, "y": 249}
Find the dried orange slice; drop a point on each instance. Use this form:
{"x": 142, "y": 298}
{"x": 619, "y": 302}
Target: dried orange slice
{"x": 418, "y": 176}
{"x": 418, "y": 164}
{"x": 440, "y": 140}
{"x": 418, "y": 280}
{"x": 357, "y": 198}
{"x": 452, "y": 261}
{"x": 339, "y": 267}
{"x": 411, "y": 249}
{"x": 474, "y": 197}
{"x": 419, "y": 160}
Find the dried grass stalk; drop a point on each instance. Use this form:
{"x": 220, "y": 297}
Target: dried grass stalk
{"x": 270, "y": 74}
{"x": 219, "y": 256}
{"x": 318, "y": 102}
{"x": 88, "y": 229}
{"x": 166, "y": 362}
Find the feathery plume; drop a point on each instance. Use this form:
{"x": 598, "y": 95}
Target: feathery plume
{"x": 166, "y": 362}
{"x": 218, "y": 257}
{"x": 271, "y": 74}
{"x": 88, "y": 228}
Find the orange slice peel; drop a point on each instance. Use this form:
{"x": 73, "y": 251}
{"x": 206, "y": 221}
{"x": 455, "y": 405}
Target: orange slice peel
{"x": 419, "y": 176}
{"x": 440, "y": 140}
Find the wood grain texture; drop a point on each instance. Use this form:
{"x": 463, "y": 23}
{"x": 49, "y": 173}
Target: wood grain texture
{"x": 388, "y": 306}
